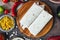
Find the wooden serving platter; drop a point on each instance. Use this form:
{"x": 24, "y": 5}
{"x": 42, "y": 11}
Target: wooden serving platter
{"x": 21, "y": 13}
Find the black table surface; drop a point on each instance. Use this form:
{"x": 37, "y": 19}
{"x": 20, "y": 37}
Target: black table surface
{"x": 55, "y": 31}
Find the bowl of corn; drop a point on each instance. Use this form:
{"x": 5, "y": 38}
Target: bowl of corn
{"x": 7, "y": 23}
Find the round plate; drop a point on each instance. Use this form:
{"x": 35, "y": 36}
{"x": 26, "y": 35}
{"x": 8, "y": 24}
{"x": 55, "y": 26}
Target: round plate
{"x": 21, "y": 13}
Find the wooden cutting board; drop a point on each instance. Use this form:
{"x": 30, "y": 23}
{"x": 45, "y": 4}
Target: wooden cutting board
{"x": 21, "y": 13}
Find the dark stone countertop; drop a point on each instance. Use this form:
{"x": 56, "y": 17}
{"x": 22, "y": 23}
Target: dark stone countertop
{"x": 53, "y": 32}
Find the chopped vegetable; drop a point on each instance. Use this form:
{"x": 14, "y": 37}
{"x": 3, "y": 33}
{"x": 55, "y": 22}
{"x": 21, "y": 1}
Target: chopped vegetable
{"x": 13, "y": 10}
{"x": 6, "y": 23}
{"x": 5, "y": 1}
{"x": 1, "y": 9}
{"x": 6, "y": 11}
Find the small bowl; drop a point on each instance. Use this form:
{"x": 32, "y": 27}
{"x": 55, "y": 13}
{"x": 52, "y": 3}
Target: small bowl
{"x": 12, "y": 19}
